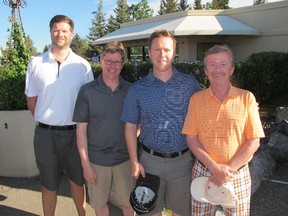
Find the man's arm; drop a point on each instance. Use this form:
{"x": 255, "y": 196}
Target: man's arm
{"x": 245, "y": 153}
{"x": 131, "y": 142}
{"x": 221, "y": 173}
{"x": 31, "y": 104}
{"x": 82, "y": 145}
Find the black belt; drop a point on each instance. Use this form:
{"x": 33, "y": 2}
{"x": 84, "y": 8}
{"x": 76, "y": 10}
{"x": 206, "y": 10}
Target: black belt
{"x": 164, "y": 155}
{"x": 54, "y": 127}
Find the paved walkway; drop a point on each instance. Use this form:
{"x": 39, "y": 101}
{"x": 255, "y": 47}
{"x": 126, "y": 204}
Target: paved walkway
{"x": 21, "y": 196}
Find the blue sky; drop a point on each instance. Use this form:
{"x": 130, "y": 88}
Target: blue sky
{"x": 36, "y": 16}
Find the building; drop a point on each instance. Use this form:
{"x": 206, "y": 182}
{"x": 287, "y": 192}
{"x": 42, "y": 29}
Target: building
{"x": 246, "y": 30}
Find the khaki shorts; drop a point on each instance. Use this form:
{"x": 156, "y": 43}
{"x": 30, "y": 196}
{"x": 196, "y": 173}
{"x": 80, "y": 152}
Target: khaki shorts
{"x": 114, "y": 184}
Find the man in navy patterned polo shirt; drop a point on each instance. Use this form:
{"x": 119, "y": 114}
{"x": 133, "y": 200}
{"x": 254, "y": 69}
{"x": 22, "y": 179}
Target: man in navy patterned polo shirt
{"x": 157, "y": 104}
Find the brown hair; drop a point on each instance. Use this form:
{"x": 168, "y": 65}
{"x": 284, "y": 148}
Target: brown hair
{"x": 162, "y": 33}
{"x": 217, "y": 48}
{"x": 61, "y": 18}
{"x": 112, "y": 47}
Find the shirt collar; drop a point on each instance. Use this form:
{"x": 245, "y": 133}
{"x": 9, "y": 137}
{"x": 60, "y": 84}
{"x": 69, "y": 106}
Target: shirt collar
{"x": 70, "y": 56}
{"x": 152, "y": 78}
{"x": 232, "y": 93}
{"x": 103, "y": 85}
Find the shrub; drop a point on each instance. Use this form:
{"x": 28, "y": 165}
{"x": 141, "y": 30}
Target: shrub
{"x": 12, "y": 73}
{"x": 265, "y": 74}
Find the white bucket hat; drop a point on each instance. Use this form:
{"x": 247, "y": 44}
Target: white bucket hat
{"x": 203, "y": 190}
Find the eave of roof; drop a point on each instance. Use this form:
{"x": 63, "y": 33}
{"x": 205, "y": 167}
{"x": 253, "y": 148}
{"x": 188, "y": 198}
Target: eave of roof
{"x": 181, "y": 24}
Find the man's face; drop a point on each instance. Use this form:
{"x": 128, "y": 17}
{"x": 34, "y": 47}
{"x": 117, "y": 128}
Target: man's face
{"x": 61, "y": 35}
{"x": 219, "y": 68}
{"x": 162, "y": 53}
{"x": 111, "y": 64}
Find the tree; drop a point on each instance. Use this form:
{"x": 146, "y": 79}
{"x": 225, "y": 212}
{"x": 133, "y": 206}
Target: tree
{"x": 12, "y": 72}
{"x": 30, "y": 46}
{"x": 220, "y": 4}
{"x": 112, "y": 24}
{"x": 183, "y": 5}
{"x": 121, "y": 13}
{"x": 168, "y": 6}
{"x": 258, "y": 2}
{"x": 140, "y": 11}
{"x": 46, "y": 47}
{"x": 98, "y": 30}
{"x": 162, "y": 9}
{"x": 197, "y": 5}
{"x": 79, "y": 45}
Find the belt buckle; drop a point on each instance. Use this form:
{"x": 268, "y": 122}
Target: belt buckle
{"x": 167, "y": 155}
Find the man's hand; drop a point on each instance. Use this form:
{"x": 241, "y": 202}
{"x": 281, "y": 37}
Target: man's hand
{"x": 89, "y": 174}
{"x": 222, "y": 174}
{"x": 137, "y": 169}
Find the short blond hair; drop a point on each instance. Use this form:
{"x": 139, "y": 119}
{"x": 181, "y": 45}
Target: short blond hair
{"x": 162, "y": 33}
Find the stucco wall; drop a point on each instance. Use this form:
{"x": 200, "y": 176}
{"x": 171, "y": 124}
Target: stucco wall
{"x": 271, "y": 21}
{"x": 16, "y": 144}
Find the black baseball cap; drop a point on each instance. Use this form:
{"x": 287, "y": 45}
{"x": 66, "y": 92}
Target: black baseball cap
{"x": 144, "y": 195}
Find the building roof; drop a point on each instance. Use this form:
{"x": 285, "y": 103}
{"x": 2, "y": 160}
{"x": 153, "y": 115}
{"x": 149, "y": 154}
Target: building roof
{"x": 181, "y": 24}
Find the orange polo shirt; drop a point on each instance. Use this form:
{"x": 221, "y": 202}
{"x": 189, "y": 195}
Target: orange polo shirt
{"x": 222, "y": 127}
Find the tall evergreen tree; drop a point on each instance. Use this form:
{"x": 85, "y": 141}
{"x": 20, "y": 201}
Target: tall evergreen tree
{"x": 46, "y": 47}
{"x": 183, "y": 5}
{"x": 97, "y": 30}
{"x": 162, "y": 10}
{"x": 257, "y": 2}
{"x": 30, "y": 46}
{"x": 168, "y": 6}
{"x": 220, "y": 4}
{"x": 141, "y": 10}
{"x": 197, "y": 5}
{"x": 79, "y": 45}
{"x": 112, "y": 24}
{"x": 121, "y": 13}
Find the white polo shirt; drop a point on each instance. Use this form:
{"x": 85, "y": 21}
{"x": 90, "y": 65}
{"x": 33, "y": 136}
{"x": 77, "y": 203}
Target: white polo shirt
{"x": 56, "y": 86}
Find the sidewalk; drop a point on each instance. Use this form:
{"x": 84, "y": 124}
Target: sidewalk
{"x": 22, "y": 196}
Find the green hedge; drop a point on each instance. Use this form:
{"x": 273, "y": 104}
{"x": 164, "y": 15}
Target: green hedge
{"x": 265, "y": 74}
{"x": 132, "y": 72}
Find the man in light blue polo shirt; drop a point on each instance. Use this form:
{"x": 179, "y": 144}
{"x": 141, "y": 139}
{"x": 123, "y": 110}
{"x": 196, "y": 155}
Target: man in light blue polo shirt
{"x": 158, "y": 104}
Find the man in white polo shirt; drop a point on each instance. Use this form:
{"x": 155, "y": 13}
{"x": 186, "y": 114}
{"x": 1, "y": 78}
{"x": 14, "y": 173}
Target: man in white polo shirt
{"x": 53, "y": 80}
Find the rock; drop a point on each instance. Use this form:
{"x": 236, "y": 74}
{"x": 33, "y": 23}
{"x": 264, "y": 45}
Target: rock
{"x": 262, "y": 165}
{"x": 281, "y": 113}
{"x": 278, "y": 146}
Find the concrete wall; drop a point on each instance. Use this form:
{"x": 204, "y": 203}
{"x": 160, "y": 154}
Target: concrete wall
{"x": 16, "y": 144}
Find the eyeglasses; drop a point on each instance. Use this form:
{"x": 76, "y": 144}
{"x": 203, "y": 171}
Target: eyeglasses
{"x": 110, "y": 62}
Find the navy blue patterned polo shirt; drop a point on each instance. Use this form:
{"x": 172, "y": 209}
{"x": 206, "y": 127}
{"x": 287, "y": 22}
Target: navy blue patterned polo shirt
{"x": 160, "y": 108}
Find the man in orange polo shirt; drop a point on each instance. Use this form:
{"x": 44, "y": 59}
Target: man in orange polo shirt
{"x": 223, "y": 131}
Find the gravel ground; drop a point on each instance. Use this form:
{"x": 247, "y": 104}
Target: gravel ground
{"x": 271, "y": 199}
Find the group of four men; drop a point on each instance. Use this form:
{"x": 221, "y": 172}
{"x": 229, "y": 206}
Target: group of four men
{"x": 89, "y": 128}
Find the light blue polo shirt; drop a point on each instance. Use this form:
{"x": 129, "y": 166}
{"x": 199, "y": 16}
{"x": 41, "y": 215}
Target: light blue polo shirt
{"x": 160, "y": 108}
